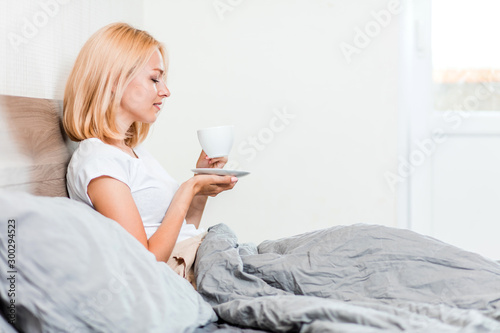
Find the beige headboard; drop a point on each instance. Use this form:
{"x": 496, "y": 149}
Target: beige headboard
{"x": 34, "y": 149}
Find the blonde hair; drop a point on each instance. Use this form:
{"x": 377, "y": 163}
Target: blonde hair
{"x": 106, "y": 64}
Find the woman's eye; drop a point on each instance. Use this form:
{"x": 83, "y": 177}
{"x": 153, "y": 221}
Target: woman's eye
{"x": 155, "y": 80}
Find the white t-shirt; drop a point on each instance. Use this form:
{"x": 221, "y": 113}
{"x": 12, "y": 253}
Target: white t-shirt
{"x": 151, "y": 186}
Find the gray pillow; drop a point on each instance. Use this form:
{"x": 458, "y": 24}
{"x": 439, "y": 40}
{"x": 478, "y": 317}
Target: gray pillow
{"x": 78, "y": 271}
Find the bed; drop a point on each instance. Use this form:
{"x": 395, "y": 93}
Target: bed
{"x": 66, "y": 268}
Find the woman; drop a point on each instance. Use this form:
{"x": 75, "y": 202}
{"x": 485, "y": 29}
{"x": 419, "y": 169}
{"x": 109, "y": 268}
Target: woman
{"x": 113, "y": 94}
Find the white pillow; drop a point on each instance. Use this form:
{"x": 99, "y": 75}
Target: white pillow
{"x": 77, "y": 271}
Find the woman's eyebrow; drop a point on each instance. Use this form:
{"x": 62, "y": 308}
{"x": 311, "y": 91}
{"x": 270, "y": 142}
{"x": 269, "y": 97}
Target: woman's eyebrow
{"x": 159, "y": 70}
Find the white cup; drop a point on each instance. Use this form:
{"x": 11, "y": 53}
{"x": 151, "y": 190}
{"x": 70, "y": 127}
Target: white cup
{"x": 216, "y": 141}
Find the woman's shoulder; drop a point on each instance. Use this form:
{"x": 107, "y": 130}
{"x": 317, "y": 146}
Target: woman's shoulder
{"x": 93, "y": 150}
{"x": 94, "y": 158}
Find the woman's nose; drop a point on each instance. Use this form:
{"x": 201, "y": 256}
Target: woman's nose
{"x": 164, "y": 92}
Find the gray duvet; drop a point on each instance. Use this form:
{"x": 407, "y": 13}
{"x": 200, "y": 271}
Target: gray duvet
{"x": 359, "y": 278}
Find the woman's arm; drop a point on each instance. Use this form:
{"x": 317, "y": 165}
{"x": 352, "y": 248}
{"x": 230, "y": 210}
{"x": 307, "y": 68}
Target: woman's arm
{"x": 196, "y": 209}
{"x": 113, "y": 199}
{"x": 199, "y": 202}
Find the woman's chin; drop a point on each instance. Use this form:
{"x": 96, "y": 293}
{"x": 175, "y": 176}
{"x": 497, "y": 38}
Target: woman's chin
{"x": 151, "y": 119}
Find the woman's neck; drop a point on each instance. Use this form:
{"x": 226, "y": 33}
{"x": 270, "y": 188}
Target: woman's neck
{"x": 123, "y": 126}
{"x": 120, "y": 144}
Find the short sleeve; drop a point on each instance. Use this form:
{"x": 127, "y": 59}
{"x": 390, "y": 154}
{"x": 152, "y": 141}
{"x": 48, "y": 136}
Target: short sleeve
{"x": 93, "y": 160}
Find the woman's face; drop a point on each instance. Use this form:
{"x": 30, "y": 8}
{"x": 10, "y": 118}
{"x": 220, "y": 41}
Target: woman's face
{"x": 143, "y": 97}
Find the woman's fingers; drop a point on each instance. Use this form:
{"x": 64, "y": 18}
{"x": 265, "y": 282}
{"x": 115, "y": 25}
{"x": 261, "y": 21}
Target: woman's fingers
{"x": 206, "y": 162}
{"x": 213, "y": 184}
{"x": 224, "y": 181}
{"x": 216, "y": 162}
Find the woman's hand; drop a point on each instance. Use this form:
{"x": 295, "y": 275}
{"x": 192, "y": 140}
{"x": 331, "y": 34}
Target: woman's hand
{"x": 206, "y": 162}
{"x": 211, "y": 185}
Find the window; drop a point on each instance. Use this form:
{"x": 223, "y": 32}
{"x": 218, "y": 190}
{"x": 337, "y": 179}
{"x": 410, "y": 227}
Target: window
{"x": 466, "y": 55}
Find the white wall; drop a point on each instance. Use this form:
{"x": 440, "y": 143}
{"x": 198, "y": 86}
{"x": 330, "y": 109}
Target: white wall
{"x": 41, "y": 39}
{"x": 241, "y": 63}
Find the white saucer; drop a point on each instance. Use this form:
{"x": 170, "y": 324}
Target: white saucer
{"x": 220, "y": 172}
